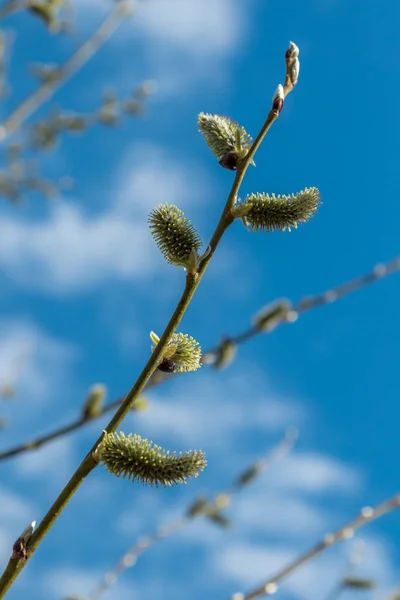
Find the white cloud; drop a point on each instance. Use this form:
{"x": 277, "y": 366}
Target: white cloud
{"x": 210, "y": 27}
{"x": 249, "y": 565}
{"x": 315, "y": 473}
{"x": 217, "y": 410}
{"x": 71, "y": 250}
{"x": 12, "y": 506}
{"x": 57, "y": 459}
{"x": 206, "y": 28}
{"x": 65, "y": 582}
{"x": 376, "y": 559}
{"x": 269, "y": 512}
{"x": 32, "y": 362}
{"x": 151, "y": 175}
{"x": 181, "y": 42}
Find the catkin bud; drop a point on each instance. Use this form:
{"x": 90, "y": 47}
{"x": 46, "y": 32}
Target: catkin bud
{"x": 225, "y": 354}
{"x": 278, "y": 99}
{"x": 140, "y": 404}
{"x": 247, "y": 476}
{"x": 140, "y": 460}
{"x": 94, "y": 402}
{"x": 222, "y": 501}
{"x": 271, "y": 315}
{"x": 294, "y": 71}
{"x": 262, "y": 212}
{"x": 358, "y": 583}
{"x": 292, "y": 52}
{"x": 197, "y": 508}
{"x": 173, "y": 233}
{"x": 218, "y": 517}
{"x": 227, "y": 140}
{"x": 182, "y": 351}
{"x": 292, "y": 67}
{"x": 47, "y": 12}
{"x": 19, "y": 549}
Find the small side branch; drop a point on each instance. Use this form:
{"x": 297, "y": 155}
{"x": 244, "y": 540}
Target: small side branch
{"x": 143, "y": 544}
{"x": 366, "y": 515}
{"x": 82, "y": 55}
{"x": 308, "y": 303}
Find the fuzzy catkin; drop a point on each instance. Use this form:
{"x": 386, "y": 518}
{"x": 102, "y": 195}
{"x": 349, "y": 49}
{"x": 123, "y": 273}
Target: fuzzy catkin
{"x": 187, "y": 355}
{"x": 220, "y": 134}
{"x": 277, "y": 213}
{"x": 173, "y": 233}
{"x": 138, "y": 459}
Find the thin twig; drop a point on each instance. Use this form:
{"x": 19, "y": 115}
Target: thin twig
{"x": 15, "y": 565}
{"x": 308, "y": 303}
{"x": 340, "y": 586}
{"x": 80, "y": 57}
{"x": 366, "y": 515}
{"x": 129, "y": 559}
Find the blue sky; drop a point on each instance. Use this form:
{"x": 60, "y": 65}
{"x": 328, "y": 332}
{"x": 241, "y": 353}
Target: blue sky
{"x": 82, "y": 284}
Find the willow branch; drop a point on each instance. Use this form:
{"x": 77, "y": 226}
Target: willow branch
{"x": 306, "y": 304}
{"x": 82, "y": 55}
{"x": 366, "y": 515}
{"x": 15, "y": 565}
{"x": 129, "y": 559}
{"x": 143, "y": 544}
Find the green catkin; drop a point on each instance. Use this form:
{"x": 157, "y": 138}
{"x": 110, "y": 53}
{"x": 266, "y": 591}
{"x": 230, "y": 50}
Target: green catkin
{"x": 220, "y": 134}
{"x": 173, "y": 233}
{"x": 277, "y": 213}
{"x": 138, "y": 459}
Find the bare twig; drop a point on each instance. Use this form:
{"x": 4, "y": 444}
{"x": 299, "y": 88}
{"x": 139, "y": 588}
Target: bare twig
{"x": 366, "y": 515}
{"x": 339, "y": 586}
{"x": 92, "y": 45}
{"x": 143, "y": 544}
{"x": 336, "y": 293}
{"x": 303, "y": 305}
{"x": 193, "y": 279}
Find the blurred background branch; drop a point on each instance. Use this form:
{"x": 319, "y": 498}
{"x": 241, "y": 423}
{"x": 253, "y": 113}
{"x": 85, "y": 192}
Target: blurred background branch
{"x": 367, "y": 514}
{"x": 212, "y": 509}
{"x": 61, "y": 74}
{"x": 267, "y": 320}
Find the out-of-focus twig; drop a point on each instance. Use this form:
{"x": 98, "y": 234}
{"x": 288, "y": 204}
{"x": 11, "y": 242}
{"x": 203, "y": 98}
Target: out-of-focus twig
{"x": 366, "y": 515}
{"x": 199, "y": 508}
{"x": 308, "y": 303}
{"x": 64, "y": 72}
{"x": 45, "y": 133}
{"x": 348, "y": 580}
{"x": 336, "y": 293}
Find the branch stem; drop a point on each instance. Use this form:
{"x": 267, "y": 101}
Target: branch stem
{"x": 15, "y": 565}
{"x": 81, "y": 56}
{"x": 366, "y": 516}
{"x": 143, "y": 544}
{"x": 302, "y": 306}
